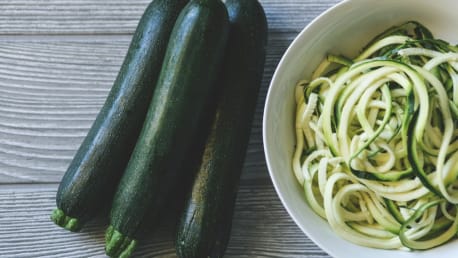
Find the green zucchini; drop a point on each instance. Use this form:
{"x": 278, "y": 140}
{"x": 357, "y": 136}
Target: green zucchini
{"x": 186, "y": 83}
{"x": 382, "y": 166}
{"x": 91, "y": 179}
{"x": 204, "y": 229}
{"x": 439, "y": 234}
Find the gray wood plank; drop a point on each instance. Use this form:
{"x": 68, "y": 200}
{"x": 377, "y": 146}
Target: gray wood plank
{"x": 261, "y": 228}
{"x": 58, "y": 59}
{"x": 19, "y": 17}
{"x": 50, "y": 93}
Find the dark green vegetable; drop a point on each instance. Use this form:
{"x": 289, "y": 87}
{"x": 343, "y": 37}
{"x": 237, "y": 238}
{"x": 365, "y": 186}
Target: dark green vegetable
{"x": 92, "y": 177}
{"x": 187, "y": 81}
{"x": 204, "y": 230}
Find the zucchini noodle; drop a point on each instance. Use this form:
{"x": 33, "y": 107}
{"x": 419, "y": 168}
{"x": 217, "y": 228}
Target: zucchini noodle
{"x": 377, "y": 141}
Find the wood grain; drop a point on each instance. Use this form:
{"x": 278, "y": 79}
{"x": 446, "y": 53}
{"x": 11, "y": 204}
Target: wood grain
{"x": 261, "y": 228}
{"x": 90, "y": 17}
{"x": 50, "y": 93}
{"x": 58, "y": 60}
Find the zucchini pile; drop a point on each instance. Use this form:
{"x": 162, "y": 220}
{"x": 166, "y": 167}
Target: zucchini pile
{"x": 377, "y": 141}
{"x": 185, "y": 94}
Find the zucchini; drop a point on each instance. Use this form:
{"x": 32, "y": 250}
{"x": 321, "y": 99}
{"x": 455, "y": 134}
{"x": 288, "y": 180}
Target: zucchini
{"x": 186, "y": 83}
{"x": 433, "y": 238}
{"x": 376, "y": 154}
{"x": 91, "y": 179}
{"x": 204, "y": 229}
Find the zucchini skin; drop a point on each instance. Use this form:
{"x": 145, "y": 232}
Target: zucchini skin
{"x": 91, "y": 179}
{"x": 205, "y": 225}
{"x": 186, "y": 83}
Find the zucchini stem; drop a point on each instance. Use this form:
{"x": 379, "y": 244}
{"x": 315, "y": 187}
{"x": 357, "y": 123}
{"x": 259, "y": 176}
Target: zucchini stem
{"x": 64, "y": 221}
{"x": 118, "y": 245}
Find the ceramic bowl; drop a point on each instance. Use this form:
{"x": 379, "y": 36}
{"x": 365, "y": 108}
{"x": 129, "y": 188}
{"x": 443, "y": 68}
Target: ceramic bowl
{"x": 343, "y": 29}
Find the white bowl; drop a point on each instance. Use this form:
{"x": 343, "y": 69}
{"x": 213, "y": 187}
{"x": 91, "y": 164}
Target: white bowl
{"x": 343, "y": 29}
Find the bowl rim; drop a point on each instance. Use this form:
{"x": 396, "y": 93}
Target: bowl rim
{"x": 286, "y": 56}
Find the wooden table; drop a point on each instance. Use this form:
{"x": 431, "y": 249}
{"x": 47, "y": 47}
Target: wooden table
{"x": 58, "y": 60}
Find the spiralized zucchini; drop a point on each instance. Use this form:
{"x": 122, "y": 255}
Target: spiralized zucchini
{"x": 377, "y": 141}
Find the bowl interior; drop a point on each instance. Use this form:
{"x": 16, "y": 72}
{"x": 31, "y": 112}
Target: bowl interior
{"x": 344, "y": 29}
